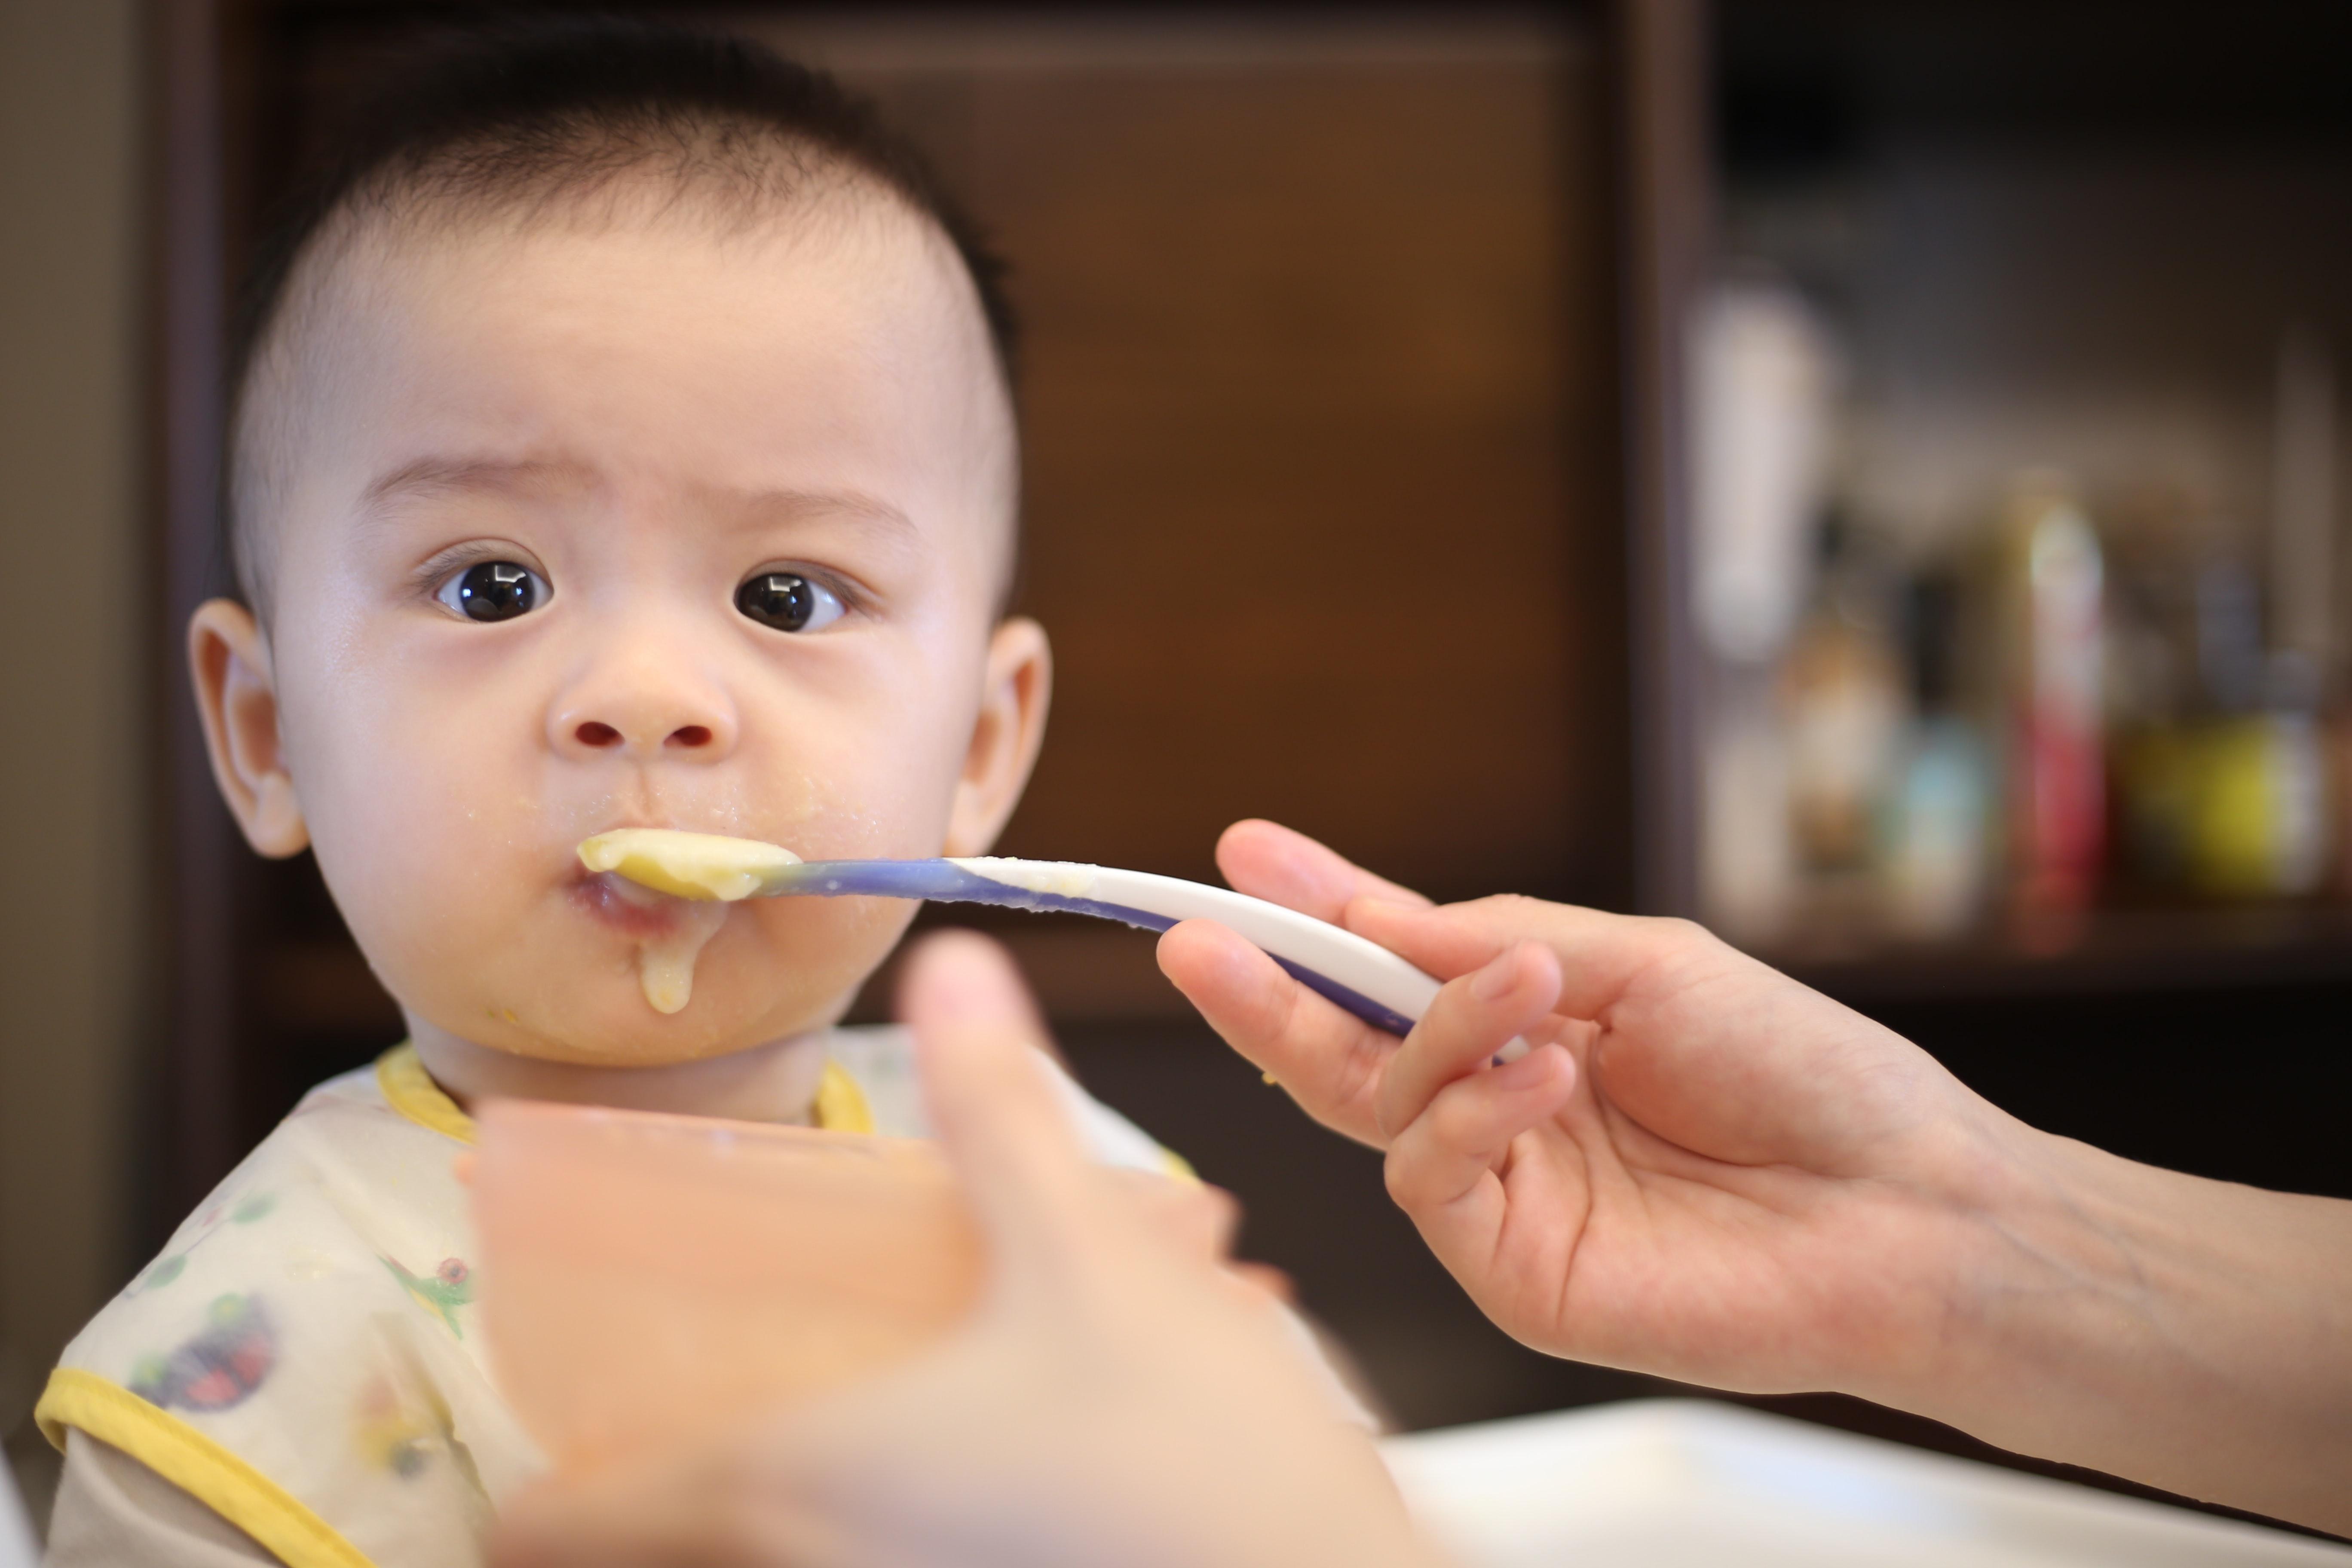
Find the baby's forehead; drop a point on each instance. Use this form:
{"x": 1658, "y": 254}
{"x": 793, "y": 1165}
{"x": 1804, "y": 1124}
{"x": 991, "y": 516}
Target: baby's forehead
{"x": 859, "y": 246}
{"x": 656, "y": 285}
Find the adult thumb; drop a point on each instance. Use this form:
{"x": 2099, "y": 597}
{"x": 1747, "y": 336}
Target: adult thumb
{"x": 1006, "y": 1129}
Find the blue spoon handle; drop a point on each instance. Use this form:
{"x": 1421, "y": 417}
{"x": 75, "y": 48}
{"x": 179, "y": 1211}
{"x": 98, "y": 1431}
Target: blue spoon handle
{"x": 1335, "y": 963}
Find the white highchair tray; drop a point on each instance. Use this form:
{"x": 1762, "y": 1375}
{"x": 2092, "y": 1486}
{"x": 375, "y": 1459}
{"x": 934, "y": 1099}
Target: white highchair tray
{"x": 1688, "y": 1483}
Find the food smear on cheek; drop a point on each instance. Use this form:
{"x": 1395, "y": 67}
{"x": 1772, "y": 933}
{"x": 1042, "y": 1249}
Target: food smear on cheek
{"x": 666, "y": 963}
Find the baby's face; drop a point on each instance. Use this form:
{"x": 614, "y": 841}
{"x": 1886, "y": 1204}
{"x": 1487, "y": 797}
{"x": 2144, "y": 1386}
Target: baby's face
{"x": 529, "y": 476}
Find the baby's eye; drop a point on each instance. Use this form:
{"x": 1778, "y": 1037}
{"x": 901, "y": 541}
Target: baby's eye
{"x": 788, "y": 602}
{"x": 494, "y": 591}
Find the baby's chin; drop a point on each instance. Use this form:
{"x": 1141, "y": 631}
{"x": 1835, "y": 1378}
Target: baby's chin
{"x": 607, "y": 1023}
{"x": 757, "y": 981}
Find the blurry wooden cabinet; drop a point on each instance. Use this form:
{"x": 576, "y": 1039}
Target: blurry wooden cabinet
{"x": 1320, "y": 446}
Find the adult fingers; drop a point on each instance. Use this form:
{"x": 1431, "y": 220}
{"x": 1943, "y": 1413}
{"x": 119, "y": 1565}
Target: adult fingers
{"x": 1473, "y": 1016}
{"x": 1600, "y": 954}
{"x": 1195, "y": 1218}
{"x": 1267, "y": 1280}
{"x": 1328, "y": 1061}
{"x": 1199, "y": 1222}
{"x": 997, "y": 1117}
{"x": 1449, "y": 1148}
{"x": 1269, "y": 861}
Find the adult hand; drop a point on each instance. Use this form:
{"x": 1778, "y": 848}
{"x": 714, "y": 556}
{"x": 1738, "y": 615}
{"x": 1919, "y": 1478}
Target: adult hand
{"x": 1719, "y": 1201}
{"x": 1118, "y": 1397}
{"x": 1706, "y": 1171}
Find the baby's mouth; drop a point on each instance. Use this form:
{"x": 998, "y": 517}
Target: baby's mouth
{"x": 670, "y": 932}
{"x": 671, "y": 890}
{"x": 625, "y": 905}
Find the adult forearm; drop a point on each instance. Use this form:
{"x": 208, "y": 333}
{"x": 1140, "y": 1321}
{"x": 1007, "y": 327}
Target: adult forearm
{"x": 2191, "y": 1334}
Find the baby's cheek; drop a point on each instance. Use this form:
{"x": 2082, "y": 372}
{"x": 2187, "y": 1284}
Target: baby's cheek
{"x": 438, "y": 888}
{"x": 804, "y": 958}
{"x": 900, "y": 815}
{"x": 459, "y": 948}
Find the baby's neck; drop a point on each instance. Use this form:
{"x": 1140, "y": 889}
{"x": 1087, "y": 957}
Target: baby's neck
{"x": 773, "y": 1082}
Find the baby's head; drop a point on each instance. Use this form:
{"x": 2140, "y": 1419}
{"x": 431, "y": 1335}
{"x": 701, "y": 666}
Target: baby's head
{"x": 624, "y": 440}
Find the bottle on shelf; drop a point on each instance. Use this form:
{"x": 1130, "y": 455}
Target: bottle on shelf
{"x": 1764, "y": 377}
{"x": 2051, "y": 595}
{"x": 1846, "y": 707}
{"x": 1936, "y": 837}
{"x": 2258, "y": 827}
{"x": 2250, "y": 765}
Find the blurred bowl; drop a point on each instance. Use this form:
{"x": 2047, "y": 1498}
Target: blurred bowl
{"x": 648, "y": 1276}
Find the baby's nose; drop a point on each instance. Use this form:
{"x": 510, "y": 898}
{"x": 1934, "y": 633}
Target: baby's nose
{"x": 597, "y": 735}
{"x": 645, "y": 714}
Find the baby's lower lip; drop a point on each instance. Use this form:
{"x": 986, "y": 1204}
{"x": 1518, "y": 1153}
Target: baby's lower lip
{"x": 626, "y": 906}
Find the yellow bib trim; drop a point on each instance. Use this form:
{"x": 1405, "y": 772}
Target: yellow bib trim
{"x": 409, "y": 1089}
{"x": 196, "y": 1464}
{"x": 840, "y": 1104}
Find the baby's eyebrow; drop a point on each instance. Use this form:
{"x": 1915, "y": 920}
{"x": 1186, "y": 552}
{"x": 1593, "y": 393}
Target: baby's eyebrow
{"x": 770, "y": 507}
{"x": 440, "y": 475}
{"x": 436, "y": 475}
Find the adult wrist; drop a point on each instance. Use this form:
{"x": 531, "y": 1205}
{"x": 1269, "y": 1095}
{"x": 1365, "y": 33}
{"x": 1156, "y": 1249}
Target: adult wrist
{"x": 2180, "y": 1332}
{"x": 2049, "y": 1299}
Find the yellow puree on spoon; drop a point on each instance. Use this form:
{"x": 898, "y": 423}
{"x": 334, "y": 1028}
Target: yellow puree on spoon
{"x": 709, "y": 872}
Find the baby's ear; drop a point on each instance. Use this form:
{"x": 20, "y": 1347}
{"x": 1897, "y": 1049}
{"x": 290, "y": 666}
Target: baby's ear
{"x": 237, "y": 697}
{"x": 1015, "y": 693}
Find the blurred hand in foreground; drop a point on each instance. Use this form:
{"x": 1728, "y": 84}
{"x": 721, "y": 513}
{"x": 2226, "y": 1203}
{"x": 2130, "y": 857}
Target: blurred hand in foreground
{"x": 1118, "y": 1398}
{"x": 1708, "y": 1170}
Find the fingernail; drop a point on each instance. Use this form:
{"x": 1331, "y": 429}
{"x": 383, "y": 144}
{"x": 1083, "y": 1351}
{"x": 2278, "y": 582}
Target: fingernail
{"x": 1496, "y": 980}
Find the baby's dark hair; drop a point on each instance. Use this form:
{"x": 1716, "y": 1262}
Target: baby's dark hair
{"x": 526, "y": 115}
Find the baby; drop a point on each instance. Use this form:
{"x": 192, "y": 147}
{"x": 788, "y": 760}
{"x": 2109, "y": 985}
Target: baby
{"x": 623, "y": 439}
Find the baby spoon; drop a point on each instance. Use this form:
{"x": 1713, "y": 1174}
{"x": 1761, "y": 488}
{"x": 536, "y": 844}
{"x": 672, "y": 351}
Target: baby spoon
{"x": 1360, "y": 976}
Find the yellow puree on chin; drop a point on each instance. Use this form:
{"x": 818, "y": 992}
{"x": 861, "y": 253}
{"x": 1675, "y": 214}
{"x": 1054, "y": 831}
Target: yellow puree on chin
{"x": 708, "y": 871}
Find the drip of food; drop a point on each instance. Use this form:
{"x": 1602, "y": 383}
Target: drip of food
{"x": 666, "y": 963}
{"x": 708, "y": 871}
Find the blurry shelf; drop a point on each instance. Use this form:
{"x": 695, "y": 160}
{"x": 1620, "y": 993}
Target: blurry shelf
{"x": 2118, "y": 950}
